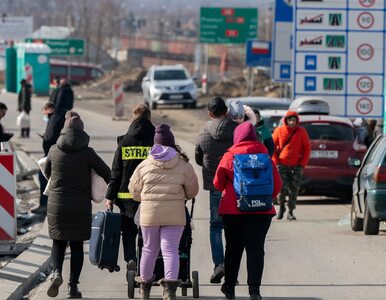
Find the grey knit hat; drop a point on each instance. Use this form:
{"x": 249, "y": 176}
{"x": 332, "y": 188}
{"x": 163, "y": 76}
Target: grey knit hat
{"x": 236, "y": 110}
{"x": 73, "y": 120}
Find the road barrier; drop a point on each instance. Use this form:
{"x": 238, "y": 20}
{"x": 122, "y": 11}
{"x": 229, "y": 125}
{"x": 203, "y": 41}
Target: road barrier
{"x": 118, "y": 97}
{"x": 204, "y": 82}
{"x": 28, "y": 74}
{"x": 7, "y": 202}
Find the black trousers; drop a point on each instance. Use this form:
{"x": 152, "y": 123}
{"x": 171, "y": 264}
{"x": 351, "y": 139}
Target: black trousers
{"x": 245, "y": 232}
{"x": 58, "y": 252}
{"x": 43, "y": 183}
{"x": 129, "y": 234}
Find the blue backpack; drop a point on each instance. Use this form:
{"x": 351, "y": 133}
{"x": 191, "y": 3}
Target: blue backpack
{"x": 253, "y": 181}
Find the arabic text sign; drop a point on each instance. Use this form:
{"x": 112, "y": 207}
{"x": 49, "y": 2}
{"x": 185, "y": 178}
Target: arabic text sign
{"x": 339, "y": 54}
{"x": 15, "y": 28}
{"x": 282, "y": 42}
{"x": 68, "y": 47}
{"x": 227, "y": 25}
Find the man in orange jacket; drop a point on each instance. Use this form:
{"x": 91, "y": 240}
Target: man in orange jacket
{"x": 292, "y": 151}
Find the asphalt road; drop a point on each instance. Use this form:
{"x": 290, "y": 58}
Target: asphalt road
{"x": 315, "y": 257}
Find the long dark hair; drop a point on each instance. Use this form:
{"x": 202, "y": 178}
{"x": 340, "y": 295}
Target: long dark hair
{"x": 181, "y": 153}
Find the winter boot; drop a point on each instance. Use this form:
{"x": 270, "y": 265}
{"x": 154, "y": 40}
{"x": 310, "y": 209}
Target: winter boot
{"x": 281, "y": 212}
{"x": 291, "y": 216}
{"x": 228, "y": 292}
{"x": 144, "y": 287}
{"x": 56, "y": 282}
{"x": 170, "y": 287}
{"x": 254, "y": 294}
{"x": 73, "y": 291}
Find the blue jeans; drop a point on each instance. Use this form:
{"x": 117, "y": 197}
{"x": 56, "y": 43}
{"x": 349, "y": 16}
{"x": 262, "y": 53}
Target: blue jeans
{"x": 216, "y": 228}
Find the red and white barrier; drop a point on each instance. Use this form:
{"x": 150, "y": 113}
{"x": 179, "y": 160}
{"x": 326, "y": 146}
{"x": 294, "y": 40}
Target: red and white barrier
{"x": 204, "y": 83}
{"x": 118, "y": 98}
{"x": 28, "y": 74}
{"x": 7, "y": 198}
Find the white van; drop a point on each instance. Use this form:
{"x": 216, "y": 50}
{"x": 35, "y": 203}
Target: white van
{"x": 308, "y": 105}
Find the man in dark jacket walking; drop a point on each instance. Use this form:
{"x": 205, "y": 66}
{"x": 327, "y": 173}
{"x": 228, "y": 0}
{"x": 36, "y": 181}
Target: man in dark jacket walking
{"x": 4, "y": 136}
{"x": 24, "y": 104}
{"x": 55, "y": 124}
{"x": 133, "y": 148}
{"x": 64, "y": 100}
{"x": 213, "y": 141}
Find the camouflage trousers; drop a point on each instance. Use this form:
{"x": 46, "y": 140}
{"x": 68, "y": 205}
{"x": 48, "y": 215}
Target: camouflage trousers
{"x": 292, "y": 179}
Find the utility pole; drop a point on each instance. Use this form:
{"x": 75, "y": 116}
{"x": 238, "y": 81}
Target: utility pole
{"x": 161, "y": 34}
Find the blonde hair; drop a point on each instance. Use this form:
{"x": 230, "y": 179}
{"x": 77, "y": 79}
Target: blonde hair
{"x": 141, "y": 110}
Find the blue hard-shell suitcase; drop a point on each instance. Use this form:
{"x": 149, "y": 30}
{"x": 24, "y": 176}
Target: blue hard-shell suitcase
{"x": 104, "y": 241}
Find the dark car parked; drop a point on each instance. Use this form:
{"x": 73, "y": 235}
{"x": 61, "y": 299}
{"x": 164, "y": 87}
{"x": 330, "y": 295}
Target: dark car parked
{"x": 368, "y": 206}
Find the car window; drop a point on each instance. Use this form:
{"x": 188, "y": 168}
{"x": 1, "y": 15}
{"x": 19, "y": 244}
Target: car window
{"x": 58, "y": 70}
{"x": 379, "y": 147}
{"x": 95, "y": 73}
{"x": 170, "y": 75}
{"x": 329, "y": 131}
{"x": 272, "y": 122}
{"x": 79, "y": 71}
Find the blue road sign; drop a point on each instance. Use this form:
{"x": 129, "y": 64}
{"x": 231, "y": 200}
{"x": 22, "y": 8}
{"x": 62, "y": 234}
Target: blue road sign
{"x": 310, "y": 62}
{"x": 282, "y": 41}
{"x": 285, "y": 71}
{"x": 258, "y": 53}
{"x": 310, "y": 83}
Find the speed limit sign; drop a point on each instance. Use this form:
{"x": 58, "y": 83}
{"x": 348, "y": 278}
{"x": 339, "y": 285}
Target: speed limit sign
{"x": 364, "y": 105}
{"x": 367, "y": 3}
{"x": 365, "y": 20}
{"x": 365, "y": 84}
{"x": 365, "y": 52}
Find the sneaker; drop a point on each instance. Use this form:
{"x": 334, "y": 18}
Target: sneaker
{"x": 56, "y": 282}
{"x": 229, "y": 293}
{"x": 218, "y": 273}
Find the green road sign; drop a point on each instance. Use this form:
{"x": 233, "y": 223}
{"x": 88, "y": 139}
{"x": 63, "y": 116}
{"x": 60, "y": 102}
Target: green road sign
{"x": 227, "y": 25}
{"x": 70, "y": 47}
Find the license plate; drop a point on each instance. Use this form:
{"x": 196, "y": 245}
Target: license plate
{"x": 324, "y": 154}
{"x": 173, "y": 97}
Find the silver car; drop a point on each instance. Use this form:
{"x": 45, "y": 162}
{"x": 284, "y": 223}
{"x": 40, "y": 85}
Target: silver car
{"x": 169, "y": 85}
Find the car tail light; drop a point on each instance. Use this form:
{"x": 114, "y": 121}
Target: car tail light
{"x": 380, "y": 175}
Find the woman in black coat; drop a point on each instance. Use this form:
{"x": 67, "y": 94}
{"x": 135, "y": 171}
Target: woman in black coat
{"x": 69, "y": 165}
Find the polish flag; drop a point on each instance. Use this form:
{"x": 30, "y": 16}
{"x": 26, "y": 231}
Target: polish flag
{"x": 260, "y": 48}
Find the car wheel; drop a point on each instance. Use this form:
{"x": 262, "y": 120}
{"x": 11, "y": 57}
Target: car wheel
{"x": 153, "y": 105}
{"x": 356, "y": 223}
{"x": 370, "y": 224}
{"x": 193, "y": 105}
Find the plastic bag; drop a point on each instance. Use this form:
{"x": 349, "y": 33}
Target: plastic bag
{"x": 137, "y": 214}
{"x": 98, "y": 187}
{"x": 23, "y": 120}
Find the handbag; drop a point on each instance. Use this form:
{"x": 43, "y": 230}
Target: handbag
{"x": 98, "y": 187}
{"x": 98, "y": 184}
{"x": 137, "y": 215}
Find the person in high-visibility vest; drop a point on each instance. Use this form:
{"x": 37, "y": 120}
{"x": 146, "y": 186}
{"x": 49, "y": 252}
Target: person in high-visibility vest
{"x": 133, "y": 148}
